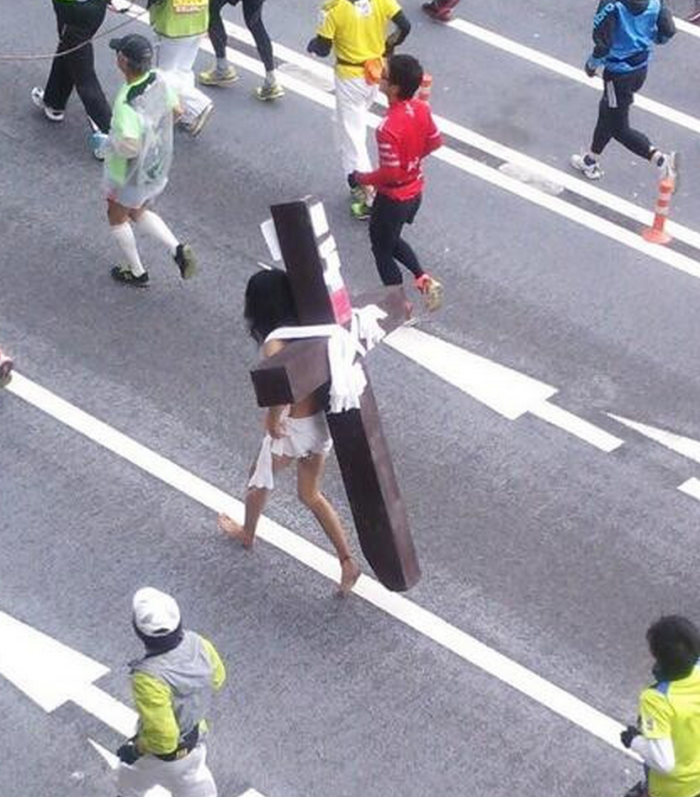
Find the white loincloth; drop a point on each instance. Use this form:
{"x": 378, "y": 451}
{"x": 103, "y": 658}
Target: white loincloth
{"x": 302, "y": 437}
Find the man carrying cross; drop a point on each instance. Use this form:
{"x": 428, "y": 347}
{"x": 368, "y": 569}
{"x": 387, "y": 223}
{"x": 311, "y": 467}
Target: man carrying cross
{"x": 295, "y": 433}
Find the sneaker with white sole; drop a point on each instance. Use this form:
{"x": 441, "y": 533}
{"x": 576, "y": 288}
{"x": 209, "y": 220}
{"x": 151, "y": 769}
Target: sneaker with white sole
{"x": 52, "y": 114}
{"x": 125, "y": 275}
{"x": 588, "y": 168}
{"x": 196, "y": 127}
{"x": 669, "y": 168}
{"x": 269, "y": 91}
{"x": 431, "y": 290}
{"x": 219, "y": 77}
{"x": 186, "y": 261}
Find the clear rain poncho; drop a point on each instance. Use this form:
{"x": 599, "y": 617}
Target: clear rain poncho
{"x": 140, "y": 147}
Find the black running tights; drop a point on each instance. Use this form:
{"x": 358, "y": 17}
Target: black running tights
{"x": 252, "y": 15}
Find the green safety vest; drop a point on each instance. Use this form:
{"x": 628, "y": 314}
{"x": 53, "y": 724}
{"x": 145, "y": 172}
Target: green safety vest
{"x": 179, "y": 18}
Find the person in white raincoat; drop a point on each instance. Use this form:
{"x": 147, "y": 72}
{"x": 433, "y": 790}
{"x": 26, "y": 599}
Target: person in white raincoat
{"x": 138, "y": 154}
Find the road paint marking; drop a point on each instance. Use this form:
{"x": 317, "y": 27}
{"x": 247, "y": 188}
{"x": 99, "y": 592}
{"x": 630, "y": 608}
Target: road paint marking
{"x": 691, "y": 488}
{"x": 602, "y": 440}
{"x": 575, "y": 73}
{"x": 502, "y": 389}
{"x": 397, "y": 606}
{"x": 513, "y": 159}
{"x": 685, "y": 446}
{"x": 687, "y": 27}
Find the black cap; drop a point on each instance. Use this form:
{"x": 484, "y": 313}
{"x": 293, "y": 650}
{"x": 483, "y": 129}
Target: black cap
{"x": 135, "y": 48}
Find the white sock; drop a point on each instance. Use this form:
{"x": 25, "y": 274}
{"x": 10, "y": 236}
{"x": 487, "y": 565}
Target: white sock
{"x": 270, "y": 78}
{"x": 124, "y": 236}
{"x": 221, "y": 65}
{"x": 152, "y": 224}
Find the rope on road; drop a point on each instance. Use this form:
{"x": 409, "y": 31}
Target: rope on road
{"x": 109, "y": 32}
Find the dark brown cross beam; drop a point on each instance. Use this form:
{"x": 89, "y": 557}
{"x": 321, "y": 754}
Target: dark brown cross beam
{"x": 302, "y": 367}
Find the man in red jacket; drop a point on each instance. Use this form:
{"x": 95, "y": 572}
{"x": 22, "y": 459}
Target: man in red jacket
{"x": 406, "y": 136}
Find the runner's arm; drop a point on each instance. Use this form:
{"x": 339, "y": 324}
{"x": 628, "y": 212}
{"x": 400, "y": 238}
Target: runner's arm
{"x": 604, "y": 24}
{"x": 319, "y": 45}
{"x": 403, "y": 28}
{"x": 666, "y": 25}
{"x": 656, "y": 753}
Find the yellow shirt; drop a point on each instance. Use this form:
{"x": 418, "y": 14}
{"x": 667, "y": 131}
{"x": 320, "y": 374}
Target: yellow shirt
{"x": 358, "y": 31}
{"x": 671, "y": 710}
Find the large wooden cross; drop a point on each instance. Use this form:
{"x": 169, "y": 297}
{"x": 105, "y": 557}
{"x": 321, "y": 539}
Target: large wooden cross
{"x": 302, "y": 368}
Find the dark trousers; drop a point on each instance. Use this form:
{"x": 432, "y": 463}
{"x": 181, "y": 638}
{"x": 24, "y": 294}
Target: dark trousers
{"x": 252, "y": 16}
{"x": 614, "y": 114}
{"x": 385, "y": 225}
{"x": 77, "y": 24}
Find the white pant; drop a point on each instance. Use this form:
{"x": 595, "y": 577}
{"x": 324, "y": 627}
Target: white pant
{"x": 175, "y": 58}
{"x": 188, "y": 777}
{"x": 353, "y": 97}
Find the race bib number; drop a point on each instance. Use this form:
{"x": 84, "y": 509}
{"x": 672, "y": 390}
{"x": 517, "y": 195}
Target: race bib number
{"x": 189, "y": 6}
{"x": 363, "y": 8}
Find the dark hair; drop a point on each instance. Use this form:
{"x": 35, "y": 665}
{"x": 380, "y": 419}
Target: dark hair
{"x": 269, "y": 303}
{"x": 675, "y": 644}
{"x": 405, "y": 72}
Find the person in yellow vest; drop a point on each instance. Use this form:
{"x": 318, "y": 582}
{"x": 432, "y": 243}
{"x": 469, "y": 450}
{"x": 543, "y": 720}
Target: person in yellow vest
{"x": 172, "y": 685}
{"x": 667, "y": 736}
{"x": 180, "y": 26}
{"x": 78, "y": 21}
{"x": 356, "y": 31}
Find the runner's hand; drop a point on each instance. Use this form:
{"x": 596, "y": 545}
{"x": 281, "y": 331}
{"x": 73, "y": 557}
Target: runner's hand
{"x": 627, "y": 735}
{"x": 591, "y": 67}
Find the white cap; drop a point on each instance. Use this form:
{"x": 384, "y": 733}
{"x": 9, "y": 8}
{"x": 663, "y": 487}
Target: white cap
{"x": 155, "y": 613}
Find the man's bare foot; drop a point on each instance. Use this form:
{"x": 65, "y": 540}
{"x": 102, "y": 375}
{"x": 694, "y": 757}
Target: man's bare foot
{"x": 349, "y": 573}
{"x": 235, "y": 530}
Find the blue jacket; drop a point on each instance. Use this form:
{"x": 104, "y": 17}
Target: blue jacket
{"x": 625, "y": 31}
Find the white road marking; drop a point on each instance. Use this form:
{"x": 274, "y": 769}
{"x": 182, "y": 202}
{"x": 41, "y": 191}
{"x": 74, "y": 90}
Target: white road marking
{"x": 687, "y": 27}
{"x": 401, "y": 608}
{"x": 685, "y": 446}
{"x": 574, "y": 73}
{"x": 513, "y": 159}
{"x": 503, "y": 389}
{"x": 691, "y": 487}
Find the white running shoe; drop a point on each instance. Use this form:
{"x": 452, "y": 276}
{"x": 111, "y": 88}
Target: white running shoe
{"x": 196, "y": 127}
{"x": 590, "y": 170}
{"x": 669, "y": 168}
{"x": 50, "y": 113}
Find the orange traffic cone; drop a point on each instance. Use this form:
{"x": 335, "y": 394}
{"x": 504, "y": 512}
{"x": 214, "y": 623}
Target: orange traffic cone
{"x": 656, "y": 234}
{"x": 426, "y": 87}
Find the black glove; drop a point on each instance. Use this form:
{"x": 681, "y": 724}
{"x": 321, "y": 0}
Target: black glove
{"x": 590, "y": 67}
{"x": 352, "y": 180}
{"x": 628, "y": 734}
{"x": 127, "y": 753}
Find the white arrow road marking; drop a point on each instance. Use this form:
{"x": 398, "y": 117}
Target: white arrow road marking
{"x": 397, "y": 606}
{"x": 685, "y": 446}
{"x": 503, "y": 389}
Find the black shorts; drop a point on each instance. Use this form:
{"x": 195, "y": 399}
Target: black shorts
{"x": 619, "y": 89}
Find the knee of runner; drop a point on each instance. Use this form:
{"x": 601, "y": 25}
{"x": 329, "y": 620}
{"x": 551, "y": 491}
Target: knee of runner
{"x": 310, "y": 497}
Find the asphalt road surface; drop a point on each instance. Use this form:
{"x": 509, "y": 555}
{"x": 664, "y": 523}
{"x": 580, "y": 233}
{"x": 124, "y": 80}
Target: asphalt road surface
{"x": 547, "y": 530}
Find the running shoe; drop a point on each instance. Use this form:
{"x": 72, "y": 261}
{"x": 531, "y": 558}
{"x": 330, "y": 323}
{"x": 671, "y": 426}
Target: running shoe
{"x": 431, "y": 290}
{"x": 669, "y": 168}
{"x": 196, "y": 127}
{"x": 588, "y": 168}
{"x": 125, "y": 275}
{"x": 437, "y": 14}
{"x": 186, "y": 261}
{"x": 6, "y": 366}
{"x": 360, "y": 210}
{"x": 269, "y": 91}
{"x": 218, "y": 77}
{"x": 98, "y": 144}
{"x": 52, "y": 114}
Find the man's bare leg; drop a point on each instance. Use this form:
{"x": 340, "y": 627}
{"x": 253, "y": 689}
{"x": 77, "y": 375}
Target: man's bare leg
{"x": 309, "y": 475}
{"x": 255, "y": 500}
